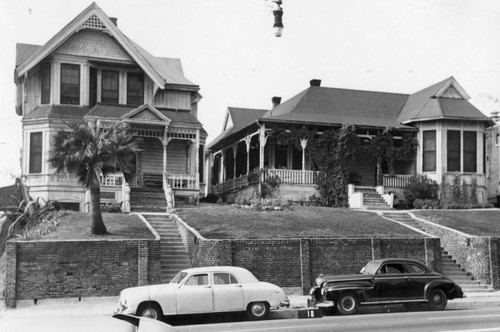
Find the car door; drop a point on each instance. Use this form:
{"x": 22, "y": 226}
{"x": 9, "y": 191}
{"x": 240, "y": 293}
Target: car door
{"x": 195, "y": 295}
{"x": 227, "y": 292}
{"x": 417, "y": 279}
{"x": 389, "y": 282}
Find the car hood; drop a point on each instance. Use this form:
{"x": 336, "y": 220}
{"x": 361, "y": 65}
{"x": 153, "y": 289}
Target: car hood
{"x": 343, "y": 277}
{"x": 145, "y": 291}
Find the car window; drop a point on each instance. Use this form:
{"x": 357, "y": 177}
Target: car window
{"x": 224, "y": 279}
{"x": 391, "y": 269}
{"x": 197, "y": 280}
{"x": 178, "y": 278}
{"x": 412, "y": 268}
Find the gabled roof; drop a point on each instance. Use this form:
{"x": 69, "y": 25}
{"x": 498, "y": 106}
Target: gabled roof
{"x": 433, "y": 103}
{"x": 240, "y": 118}
{"x": 117, "y": 112}
{"x": 332, "y": 106}
{"x": 161, "y": 71}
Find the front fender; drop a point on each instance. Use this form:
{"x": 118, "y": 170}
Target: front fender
{"x": 445, "y": 285}
{"x": 359, "y": 287}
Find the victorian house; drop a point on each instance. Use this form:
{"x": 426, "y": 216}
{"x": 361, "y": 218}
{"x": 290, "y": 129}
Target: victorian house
{"x": 90, "y": 71}
{"x": 450, "y": 131}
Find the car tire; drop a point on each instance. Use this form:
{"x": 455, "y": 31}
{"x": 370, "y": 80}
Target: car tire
{"x": 151, "y": 310}
{"x": 347, "y": 303}
{"x": 437, "y": 300}
{"x": 257, "y": 310}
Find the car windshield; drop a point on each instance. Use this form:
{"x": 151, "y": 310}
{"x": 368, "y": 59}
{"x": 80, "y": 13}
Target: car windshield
{"x": 178, "y": 278}
{"x": 370, "y": 268}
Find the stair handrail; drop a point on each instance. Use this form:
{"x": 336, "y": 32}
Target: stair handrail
{"x": 169, "y": 193}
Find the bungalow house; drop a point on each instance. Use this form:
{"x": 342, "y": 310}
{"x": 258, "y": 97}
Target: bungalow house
{"x": 90, "y": 71}
{"x": 451, "y": 136}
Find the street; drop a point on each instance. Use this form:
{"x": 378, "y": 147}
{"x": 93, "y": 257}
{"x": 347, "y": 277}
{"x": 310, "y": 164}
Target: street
{"x": 56, "y": 319}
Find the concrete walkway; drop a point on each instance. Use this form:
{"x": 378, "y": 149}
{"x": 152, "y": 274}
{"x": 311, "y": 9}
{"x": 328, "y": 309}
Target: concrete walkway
{"x": 106, "y": 305}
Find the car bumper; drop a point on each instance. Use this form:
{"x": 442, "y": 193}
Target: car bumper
{"x": 122, "y": 309}
{"x": 285, "y": 303}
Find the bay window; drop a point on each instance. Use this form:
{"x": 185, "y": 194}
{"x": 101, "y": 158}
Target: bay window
{"x": 70, "y": 84}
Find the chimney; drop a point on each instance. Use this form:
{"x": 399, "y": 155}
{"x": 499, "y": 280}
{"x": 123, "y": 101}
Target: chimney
{"x": 114, "y": 20}
{"x": 495, "y": 117}
{"x": 276, "y": 101}
{"x": 315, "y": 82}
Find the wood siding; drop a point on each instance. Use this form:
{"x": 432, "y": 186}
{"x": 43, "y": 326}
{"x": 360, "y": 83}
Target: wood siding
{"x": 177, "y": 157}
{"x": 152, "y": 156}
{"x": 173, "y": 99}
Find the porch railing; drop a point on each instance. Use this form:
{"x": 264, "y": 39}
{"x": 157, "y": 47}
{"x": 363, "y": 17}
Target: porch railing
{"x": 292, "y": 176}
{"x": 397, "y": 181}
{"x": 182, "y": 181}
{"x": 112, "y": 179}
{"x": 286, "y": 176}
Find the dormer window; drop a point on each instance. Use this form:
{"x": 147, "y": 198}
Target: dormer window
{"x": 110, "y": 84}
{"x": 70, "y": 84}
{"x": 45, "y": 83}
{"x": 135, "y": 89}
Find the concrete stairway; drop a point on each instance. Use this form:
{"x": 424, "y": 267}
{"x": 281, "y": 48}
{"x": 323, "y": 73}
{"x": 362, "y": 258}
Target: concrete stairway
{"x": 174, "y": 255}
{"x": 458, "y": 274}
{"x": 451, "y": 268}
{"x": 371, "y": 199}
{"x": 147, "y": 200}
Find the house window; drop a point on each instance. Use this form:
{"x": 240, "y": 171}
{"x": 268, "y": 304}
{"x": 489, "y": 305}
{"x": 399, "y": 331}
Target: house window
{"x": 109, "y": 87}
{"x": 70, "y": 84}
{"x": 35, "y": 161}
{"x": 453, "y": 144}
{"x": 92, "y": 86}
{"x": 470, "y": 151}
{"x": 429, "y": 150}
{"x": 45, "y": 83}
{"x": 281, "y": 156}
{"x": 135, "y": 89}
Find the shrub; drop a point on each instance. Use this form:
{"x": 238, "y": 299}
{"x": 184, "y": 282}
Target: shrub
{"x": 426, "y": 204}
{"x": 420, "y": 187}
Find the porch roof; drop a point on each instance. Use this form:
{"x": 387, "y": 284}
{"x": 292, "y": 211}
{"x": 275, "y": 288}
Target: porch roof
{"x": 57, "y": 112}
{"x": 241, "y": 118}
{"x": 115, "y": 112}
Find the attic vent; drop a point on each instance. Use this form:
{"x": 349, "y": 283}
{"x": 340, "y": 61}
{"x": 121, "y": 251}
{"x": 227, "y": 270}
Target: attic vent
{"x": 94, "y": 23}
{"x": 451, "y": 92}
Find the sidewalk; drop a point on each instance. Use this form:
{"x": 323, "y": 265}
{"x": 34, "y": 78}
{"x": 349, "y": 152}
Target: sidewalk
{"x": 106, "y": 305}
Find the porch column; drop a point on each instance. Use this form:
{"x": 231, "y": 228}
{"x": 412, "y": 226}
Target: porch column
{"x": 222, "y": 166}
{"x": 262, "y": 144}
{"x": 303, "y": 144}
{"x": 248, "y": 140}
{"x": 197, "y": 160}
{"x": 235, "y": 153}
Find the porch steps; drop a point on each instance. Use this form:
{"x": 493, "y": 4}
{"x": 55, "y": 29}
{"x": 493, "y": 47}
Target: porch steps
{"x": 152, "y": 180}
{"x": 451, "y": 268}
{"x": 147, "y": 200}
{"x": 463, "y": 278}
{"x": 174, "y": 257}
{"x": 371, "y": 199}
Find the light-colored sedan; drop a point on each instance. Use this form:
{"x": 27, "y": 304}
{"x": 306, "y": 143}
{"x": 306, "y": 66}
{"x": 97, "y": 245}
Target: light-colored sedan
{"x": 204, "y": 290}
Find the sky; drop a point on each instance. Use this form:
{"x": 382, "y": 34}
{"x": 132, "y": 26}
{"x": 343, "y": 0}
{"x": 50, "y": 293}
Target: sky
{"x": 228, "y": 48}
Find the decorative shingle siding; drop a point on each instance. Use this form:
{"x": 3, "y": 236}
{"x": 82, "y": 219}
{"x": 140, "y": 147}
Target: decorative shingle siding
{"x": 54, "y": 269}
{"x": 95, "y": 44}
{"x": 297, "y": 262}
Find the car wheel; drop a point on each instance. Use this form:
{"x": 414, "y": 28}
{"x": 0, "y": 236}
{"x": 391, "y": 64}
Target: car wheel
{"x": 347, "y": 303}
{"x": 257, "y": 310}
{"x": 151, "y": 310}
{"x": 437, "y": 300}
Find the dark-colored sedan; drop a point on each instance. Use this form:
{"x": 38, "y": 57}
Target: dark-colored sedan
{"x": 382, "y": 282}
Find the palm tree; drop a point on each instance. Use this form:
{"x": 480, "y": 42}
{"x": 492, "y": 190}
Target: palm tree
{"x": 89, "y": 153}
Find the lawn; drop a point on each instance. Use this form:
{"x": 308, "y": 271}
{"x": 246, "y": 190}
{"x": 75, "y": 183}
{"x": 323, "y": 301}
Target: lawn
{"x": 76, "y": 226}
{"x": 474, "y": 222}
{"x": 228, "y": 222}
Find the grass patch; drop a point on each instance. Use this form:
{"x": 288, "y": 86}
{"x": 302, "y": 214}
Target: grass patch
{"x": 475, "y": 222}
{"x": 76, "y": 226}
{"x": 228, "y": 222}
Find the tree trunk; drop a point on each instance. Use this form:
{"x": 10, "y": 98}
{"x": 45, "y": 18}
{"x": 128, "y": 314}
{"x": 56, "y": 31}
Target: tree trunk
{"x": 96, "y": 223}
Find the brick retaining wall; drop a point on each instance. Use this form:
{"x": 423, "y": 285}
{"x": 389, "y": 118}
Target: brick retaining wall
{"x": 53, "y": 269}
{"x": 297, "y": 262}
{"x": 479, "y": 255}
